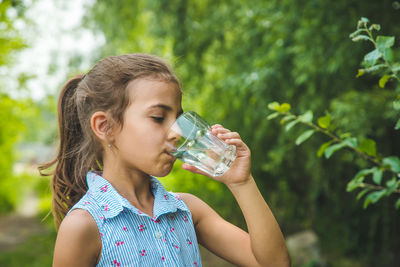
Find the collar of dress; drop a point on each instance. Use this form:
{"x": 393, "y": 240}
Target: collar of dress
{"x": 113, "y": 203}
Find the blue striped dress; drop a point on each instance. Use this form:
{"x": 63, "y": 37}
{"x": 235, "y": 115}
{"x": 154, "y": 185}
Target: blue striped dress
{"x": 132, "y": 238}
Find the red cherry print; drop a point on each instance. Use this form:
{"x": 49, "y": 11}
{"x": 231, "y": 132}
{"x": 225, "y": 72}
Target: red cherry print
{"x": 104, "y": 189}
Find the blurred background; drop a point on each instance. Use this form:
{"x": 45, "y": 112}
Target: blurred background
{"x": 233, "y": 58}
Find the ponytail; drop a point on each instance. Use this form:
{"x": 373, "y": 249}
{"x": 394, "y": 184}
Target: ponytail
{"x": 68, "y": 178}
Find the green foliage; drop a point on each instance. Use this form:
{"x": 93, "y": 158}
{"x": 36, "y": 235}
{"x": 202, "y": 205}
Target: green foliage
{"x": 10, "y": 39}
{"x": 381, "y": 56}
{"x": 10, "y": 114}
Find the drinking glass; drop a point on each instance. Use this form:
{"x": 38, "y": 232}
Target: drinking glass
{"x": 190, "y": 140}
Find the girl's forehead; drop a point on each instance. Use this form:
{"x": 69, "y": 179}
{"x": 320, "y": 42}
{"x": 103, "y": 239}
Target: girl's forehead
{"x": 149, "y": 91}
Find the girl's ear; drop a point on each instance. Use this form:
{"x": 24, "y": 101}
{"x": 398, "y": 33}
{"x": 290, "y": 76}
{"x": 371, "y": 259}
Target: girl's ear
{"x": 101, "y": 126}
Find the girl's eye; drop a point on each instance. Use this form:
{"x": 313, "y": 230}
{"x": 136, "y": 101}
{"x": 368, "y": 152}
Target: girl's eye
{"x": 158, "y": 119}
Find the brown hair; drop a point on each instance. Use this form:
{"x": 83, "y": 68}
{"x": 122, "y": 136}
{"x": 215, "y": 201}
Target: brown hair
{"x": 103, "y": 88}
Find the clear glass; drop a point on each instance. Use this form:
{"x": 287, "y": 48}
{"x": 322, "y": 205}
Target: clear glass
{"x": 190, "y": 140}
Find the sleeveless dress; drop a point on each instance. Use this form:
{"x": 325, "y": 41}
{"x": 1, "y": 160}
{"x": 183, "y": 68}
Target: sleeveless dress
{"x": 131, "y": 238}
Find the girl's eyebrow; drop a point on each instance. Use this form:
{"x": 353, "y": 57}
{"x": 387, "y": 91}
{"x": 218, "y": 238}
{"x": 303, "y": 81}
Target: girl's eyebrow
{"x": 165, "y": 107}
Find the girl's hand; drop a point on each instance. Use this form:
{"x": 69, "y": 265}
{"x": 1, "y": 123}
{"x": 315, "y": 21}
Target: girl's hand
{"x": 239, "y": 172}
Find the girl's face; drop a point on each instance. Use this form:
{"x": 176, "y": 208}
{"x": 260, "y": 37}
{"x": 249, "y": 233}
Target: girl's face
{"x": 140, "y": 143}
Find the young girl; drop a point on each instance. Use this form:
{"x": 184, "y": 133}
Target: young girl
{"x": 109, "y": 208}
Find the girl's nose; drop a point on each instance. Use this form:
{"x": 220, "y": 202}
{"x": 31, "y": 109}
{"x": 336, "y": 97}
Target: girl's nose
{"x": 172, "y": 139}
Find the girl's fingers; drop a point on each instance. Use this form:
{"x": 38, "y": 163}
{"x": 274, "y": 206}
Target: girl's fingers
{"x": 236, "y": 142}
{"x": 216, "y": 126}
{"x": 228, "y": 135}
{"x": 220, "y": 131}
{"x": 192, "y": 169}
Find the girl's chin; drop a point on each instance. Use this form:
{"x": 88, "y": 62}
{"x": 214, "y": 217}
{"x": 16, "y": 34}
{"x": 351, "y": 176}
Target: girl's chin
{"x": 164, "y": 171}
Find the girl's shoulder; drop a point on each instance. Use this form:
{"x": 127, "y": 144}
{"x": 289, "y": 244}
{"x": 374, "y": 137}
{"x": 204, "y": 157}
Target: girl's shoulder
{"x": 78, "y": 237}
{"x": 78, "y": 220}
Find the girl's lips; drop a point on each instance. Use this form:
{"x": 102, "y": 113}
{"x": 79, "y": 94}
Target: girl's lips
{"x": 169, "y": 153}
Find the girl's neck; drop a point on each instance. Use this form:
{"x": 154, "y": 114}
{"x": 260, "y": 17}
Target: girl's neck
{"x": 133, "y": 185}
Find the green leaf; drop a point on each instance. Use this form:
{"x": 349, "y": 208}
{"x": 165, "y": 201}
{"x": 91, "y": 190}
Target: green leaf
{"x": 323, "y": 147}
{"x": 324, "y": 121}
{"x": 384, "y": 80}
{"x": 364, "y": 20}
{"x": 362, "y": 23}
{"x": 373, "y": 197}
{"x": 397, "y": 126}
{"x": 291, "y": 124}
{"x": 345, "y": 135}
{"x": 356, "y": 33}
{"x": 273, "y": 115}
{"x": 375, "y": 68}
{"x": 360, "y": 37}
{"x": 351, "y": 141}
{"x": 372, "y": 57}
{"x": 377, "y": 175}
{"x": 284, "y": 107}
{"x": 333, "y": 148}
{"x": 353, "y": 184}
{"x": 391, "y": 186}
{"x": 396, "y": 104}
{"x": 375, "y": 27}
{"x": 360, "y": 72}
{"x": 362, "y": 193}
{"x": 304, "y": 136}
{"x": 368, "y": 146}
{"x": 396, "y": 67}
{"x": 358, "y": 179}
{"x": 383, "y": 42}
{"x": 287, "y": 118}
{"x": 273, "y": 106}
{"x": 393, "y": 162}
{"x": 397, "y": 205}
{"x": 306, "y": 117}
{"x": 363, "y": 173}
{"x": 388, "y": 54}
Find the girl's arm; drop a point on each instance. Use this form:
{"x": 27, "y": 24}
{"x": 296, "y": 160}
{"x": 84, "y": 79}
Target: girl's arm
{"x": 78, "y": 241}
{"x": 264, "y": 244}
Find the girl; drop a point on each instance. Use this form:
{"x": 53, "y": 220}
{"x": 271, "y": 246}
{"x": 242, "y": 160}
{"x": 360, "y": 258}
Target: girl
{"x": 109, "y": 208}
